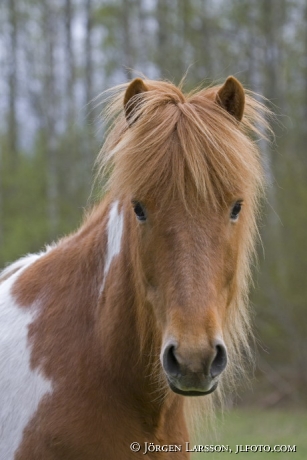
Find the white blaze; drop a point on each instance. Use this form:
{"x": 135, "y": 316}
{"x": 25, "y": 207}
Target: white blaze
{"x": 21, "y": 388}
{"x": 114, "y": 234}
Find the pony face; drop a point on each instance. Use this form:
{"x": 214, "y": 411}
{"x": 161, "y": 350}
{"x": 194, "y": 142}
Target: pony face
{"x": 189, "y": 257}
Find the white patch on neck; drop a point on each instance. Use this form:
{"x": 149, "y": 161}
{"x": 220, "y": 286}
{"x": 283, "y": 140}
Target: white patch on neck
{"x": 114, "y": 232}
{"x": 21, "y": 388}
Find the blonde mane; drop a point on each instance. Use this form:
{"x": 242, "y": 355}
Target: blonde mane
{"x": 181, "y": 138}
{"x": 188, "y": 145}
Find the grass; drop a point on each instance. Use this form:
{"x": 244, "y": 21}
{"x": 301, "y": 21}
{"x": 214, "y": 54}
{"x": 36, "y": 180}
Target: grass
{"x": 254, "y": 427}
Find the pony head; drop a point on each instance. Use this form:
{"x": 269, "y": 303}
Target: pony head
{"x": 190, "y": 177}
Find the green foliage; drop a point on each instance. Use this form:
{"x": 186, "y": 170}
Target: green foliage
{"x": 25, "y": 226}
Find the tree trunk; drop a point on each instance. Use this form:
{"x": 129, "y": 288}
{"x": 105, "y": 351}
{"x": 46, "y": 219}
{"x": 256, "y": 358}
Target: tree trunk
{"x": 90, "y": 109}
{"x": 70, "y": 66}
{"x": 50, "y": 107}
{"x": 127, "y": 38}
{"x": 12, "y": 77}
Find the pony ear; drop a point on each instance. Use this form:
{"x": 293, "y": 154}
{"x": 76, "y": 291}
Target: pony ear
{"x": 232, "y": 98}
{"x": 137, "y": 86}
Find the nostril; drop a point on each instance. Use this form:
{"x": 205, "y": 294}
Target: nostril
{"x": 220, "y": 360}
{"x": 170, "y": 363}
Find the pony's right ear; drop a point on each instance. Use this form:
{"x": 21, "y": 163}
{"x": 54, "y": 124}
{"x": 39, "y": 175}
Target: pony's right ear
{"x": 137, "y": 86}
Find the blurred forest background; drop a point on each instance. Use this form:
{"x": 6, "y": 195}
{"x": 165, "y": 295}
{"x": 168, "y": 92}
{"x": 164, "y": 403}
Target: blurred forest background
{"x": 56, "y": 56}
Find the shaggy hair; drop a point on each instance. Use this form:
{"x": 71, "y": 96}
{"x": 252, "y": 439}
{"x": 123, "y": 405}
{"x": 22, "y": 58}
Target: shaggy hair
{"x": 189, "y": 146}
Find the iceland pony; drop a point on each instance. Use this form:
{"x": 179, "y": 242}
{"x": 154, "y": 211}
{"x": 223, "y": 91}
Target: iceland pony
{"x": 109, "y": 336}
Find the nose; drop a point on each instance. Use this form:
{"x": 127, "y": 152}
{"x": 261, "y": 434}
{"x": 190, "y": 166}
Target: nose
{"x": 195, "y": 370}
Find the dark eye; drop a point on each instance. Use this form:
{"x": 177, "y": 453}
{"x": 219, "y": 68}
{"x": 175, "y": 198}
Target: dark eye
{"x": 139, "y": 211}
{"x": 236, "y": 210}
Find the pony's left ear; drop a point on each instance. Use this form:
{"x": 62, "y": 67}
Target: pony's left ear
{"x": 136, "y": 87}
{"x": 232, "y": 98}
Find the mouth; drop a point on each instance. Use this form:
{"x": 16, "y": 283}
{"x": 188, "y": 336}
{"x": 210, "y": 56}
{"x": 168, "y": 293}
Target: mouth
{"x": 192, "y": 392}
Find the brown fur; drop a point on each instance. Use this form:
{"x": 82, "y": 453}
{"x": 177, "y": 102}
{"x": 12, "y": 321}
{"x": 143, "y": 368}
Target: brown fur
{"x": 184, "y": 273}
